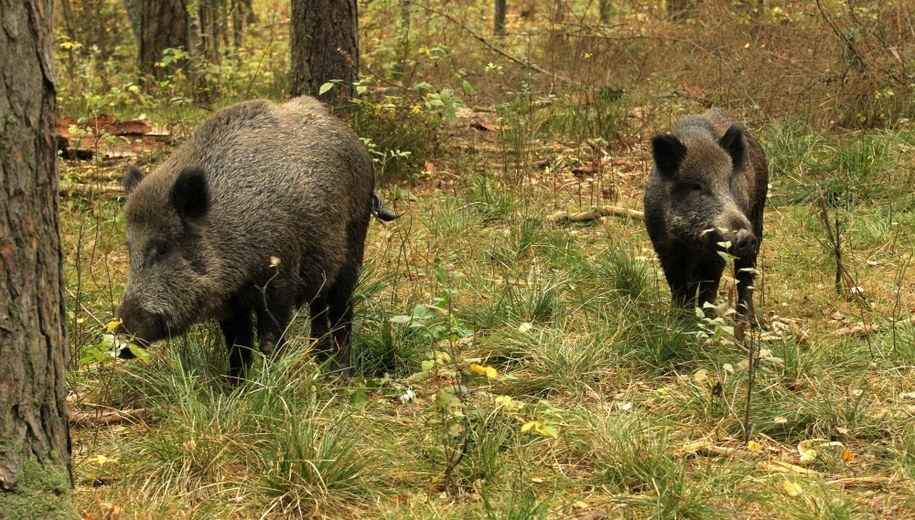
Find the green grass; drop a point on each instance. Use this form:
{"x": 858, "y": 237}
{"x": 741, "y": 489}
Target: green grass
{"x": 581, "y": 332}
{"x": 605, "y": 402}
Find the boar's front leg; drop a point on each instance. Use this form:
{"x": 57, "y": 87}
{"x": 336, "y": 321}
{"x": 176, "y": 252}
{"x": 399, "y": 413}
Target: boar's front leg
{"x": 238, "y": 330}
{"x": 693, "y": 281}
{"x": 745, "y": 273}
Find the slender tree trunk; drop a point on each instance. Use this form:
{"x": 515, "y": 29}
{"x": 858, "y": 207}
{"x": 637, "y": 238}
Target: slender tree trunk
{"x": 604, "y": 11}
{"x": 324, "y": 47}
{"x": 133, "y": 14}
{"x": 35, "y": 475}
{"x": 163, "y": 25}
{"x": 238, "y": 22}
{"x": 499, "y": 18}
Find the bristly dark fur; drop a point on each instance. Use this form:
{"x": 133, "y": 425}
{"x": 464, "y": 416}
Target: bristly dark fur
{"x": 263, "y": 209}
{"x": 710, "y": 174}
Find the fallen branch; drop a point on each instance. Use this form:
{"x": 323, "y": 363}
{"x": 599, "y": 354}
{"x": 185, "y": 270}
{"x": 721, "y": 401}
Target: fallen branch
{"x": 597, "y": 213}
{"x": 110, "y": 417}
{"x": 854, "y": 481}
{"x": 89, "y": 189}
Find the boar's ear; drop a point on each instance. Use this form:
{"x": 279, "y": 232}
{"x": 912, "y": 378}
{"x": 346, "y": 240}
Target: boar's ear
{"x": 668, "y": 153}
{"x": 131, "y": 179}
{"x": 190, "y": 196}
{"x": 734, "y": 143}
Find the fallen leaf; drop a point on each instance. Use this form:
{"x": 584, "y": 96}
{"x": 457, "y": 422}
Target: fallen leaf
{"x": 848, "y": 457}
{"x": 792, "y": 488}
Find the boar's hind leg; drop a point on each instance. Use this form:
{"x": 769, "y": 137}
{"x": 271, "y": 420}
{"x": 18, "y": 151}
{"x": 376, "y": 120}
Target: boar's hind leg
{"x": 331, "y": 322}
{"x": 274, "y": 312}
{"x": 340, "y": 315}
{"x": 238, "y": 330}
{"x": 319, "y": 326}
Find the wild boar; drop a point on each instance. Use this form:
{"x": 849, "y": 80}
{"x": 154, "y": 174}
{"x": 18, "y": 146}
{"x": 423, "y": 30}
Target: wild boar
{"x": 706, "y": 194}
{"x": 263, "y": 209}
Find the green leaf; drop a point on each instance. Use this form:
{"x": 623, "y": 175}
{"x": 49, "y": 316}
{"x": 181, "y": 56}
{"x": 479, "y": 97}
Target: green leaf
{"x": 325, "y": 88}
{"x": 357, "y": 398}
{"x": 468, "y": 88}
{"x": 138, "y": 352}
{"x": 547, "y": 431}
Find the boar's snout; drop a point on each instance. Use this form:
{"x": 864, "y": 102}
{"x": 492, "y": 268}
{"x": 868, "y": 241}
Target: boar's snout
{"x": 744, "y": 244}
{"x": 143, "y": 326}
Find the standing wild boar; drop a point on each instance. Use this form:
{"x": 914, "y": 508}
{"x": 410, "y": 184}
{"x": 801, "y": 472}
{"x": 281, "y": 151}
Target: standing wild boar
{"x": 708, "y": 187}
{"x": 264, "y": 208}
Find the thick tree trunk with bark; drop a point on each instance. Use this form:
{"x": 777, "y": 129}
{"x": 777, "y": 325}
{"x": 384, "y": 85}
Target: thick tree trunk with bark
{"x": 35, "y": 477}
{"x": 163, "y": 25}
{"x": 324, "y": 47}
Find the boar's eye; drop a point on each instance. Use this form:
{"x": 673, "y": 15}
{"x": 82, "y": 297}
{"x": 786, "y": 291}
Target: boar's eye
{"x": 694, "y": 187}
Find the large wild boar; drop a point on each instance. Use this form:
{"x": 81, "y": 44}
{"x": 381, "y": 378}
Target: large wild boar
{"x": 263, "y": 209}
{"x": 708, "y": 188}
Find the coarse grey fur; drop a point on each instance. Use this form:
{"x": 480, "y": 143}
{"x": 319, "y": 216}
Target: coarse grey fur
{"x": 708, "y": 187}
{"x": 263, "y": 209}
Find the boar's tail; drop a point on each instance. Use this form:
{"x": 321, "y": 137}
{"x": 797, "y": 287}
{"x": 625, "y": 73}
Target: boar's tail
{"x": 380, "y": 211}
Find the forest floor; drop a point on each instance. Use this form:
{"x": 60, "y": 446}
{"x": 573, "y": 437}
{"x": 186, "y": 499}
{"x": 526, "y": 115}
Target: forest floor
{"x": 517, "y": 354}
{"x": 516, "y": 364}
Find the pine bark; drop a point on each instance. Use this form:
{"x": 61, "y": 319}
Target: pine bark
{"x": 324, "y": 47}
{"x": 35, "y": 477}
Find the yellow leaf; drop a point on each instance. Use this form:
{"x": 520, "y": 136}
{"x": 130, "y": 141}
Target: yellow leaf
{"x": 100, "y": 459}
{"x": 755, "y": 447}
{"x": 848, "y": 456}
{"x": 792, "y": 488}
{"x": 490, "y": 372}
{"x": 113, "y": 324}
{"x": 528, "y": 425}
{"x": 808, "y": 456}
{"x": 784, "y": 467}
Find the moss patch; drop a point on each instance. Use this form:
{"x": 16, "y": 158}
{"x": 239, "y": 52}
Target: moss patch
{"x": 43, "y": 491}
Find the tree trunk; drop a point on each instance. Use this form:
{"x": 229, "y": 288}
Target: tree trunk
{"x": 163, "y": 25}
{"x": 35, "y": 475}
{"x": 499, "y": 19}
{"x": 604, "y": 11}
{"x": 324, "y": 47}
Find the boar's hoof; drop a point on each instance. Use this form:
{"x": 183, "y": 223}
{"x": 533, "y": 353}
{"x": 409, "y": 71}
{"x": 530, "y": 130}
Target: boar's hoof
{"x": 745, "y": 244}
{"x": 268, "y": 347}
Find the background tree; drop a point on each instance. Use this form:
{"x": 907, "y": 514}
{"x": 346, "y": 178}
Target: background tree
{"x": 324, "y": 48}
{"x": 604, "y": 11}
{"x": 163, "y": 25}
{"x": 35, "y": 476}
{"x": 499, "y": 19}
